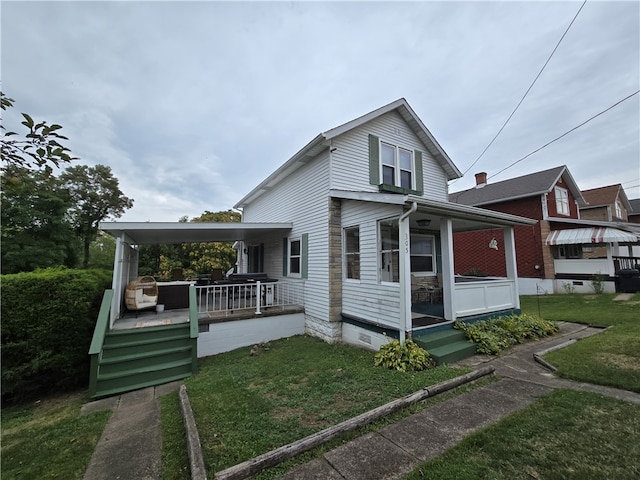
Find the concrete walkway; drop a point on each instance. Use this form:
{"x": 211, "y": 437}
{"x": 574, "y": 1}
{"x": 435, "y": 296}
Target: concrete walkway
{"x": 131, "y": 445}
{"x": 397, "y": 449}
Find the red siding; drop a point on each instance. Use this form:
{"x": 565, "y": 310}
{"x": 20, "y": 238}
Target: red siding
{"x": 551, "y": 202}
{"x": 471, "y": 249}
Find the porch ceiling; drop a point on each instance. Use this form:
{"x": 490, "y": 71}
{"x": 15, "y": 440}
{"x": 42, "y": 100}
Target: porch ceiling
{"x": 145, "y": 233}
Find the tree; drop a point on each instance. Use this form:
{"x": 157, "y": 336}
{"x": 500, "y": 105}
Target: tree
{"x": 193, "y": 258}
{"x": 35, "y": 233}
{"x": 206, "y": 256}
{"x": 95, "y": 196}
{"x": 40, "y": 148}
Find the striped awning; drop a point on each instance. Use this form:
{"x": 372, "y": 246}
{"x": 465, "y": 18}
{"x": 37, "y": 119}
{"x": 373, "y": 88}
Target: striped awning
{"x": 590, "y": 235}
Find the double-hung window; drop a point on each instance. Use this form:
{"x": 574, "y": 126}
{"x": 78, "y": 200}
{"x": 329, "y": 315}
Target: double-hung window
{"x": 295, "y": 251}
{"x": 352, "y": 252}
{"x": 562, "y": 201}
{"x": 397, "y": 166}
{"x": 422, "y": 256}
{"x": 389, "y": 251}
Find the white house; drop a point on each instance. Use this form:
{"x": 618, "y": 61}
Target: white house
{"x": 372, "y": 230}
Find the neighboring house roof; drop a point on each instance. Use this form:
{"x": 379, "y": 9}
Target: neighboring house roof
{"x": 603, "y": 196}
{"x": 635, "y": 206}
{"x": 320, "y": 143}
{"x": 530, "y": 185}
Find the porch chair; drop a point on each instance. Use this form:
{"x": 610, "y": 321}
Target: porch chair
{"x": 142, "y": 293}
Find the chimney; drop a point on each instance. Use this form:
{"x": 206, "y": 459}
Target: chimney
{"x": 481, "y": 179}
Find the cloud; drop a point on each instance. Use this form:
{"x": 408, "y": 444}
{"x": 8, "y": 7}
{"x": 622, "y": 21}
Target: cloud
{"x": 192, "y": 104}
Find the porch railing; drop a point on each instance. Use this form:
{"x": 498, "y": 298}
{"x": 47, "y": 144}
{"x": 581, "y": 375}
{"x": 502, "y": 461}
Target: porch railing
{"x": 621, "y": 263}
{"x": 246, "y": 297}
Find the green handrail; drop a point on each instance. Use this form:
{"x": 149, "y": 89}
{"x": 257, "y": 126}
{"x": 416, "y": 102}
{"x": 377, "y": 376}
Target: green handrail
{"x": 98, "y": 340}
{"x": 193, "y": 327}
{"x": 102, "y": 323}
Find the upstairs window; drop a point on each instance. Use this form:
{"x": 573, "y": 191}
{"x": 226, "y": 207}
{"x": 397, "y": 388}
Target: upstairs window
{"x": 393, "y": 168}
{"x": 618, "y": 209}
{"x": 397, "y": 166}
{"x": 562, "y": 201}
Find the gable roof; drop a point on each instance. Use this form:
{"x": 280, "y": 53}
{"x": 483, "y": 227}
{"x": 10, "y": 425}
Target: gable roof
{"x": 601, "y": 196}
{"x": 321, "y": 142}
{"x": 635, "y": 206}
{"x": 530, "y": 185}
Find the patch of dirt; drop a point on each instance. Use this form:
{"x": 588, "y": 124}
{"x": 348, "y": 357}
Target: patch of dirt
{"x": 626, "y": 362}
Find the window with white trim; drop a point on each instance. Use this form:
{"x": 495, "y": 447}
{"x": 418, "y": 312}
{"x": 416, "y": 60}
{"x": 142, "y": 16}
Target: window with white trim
{"x": 397, "y": 166}
{"x": 389, "y": 251}
{"x": 295, "y": 256}
{"x": 422, "y": 254}
{"x": 618, "y": 209}
{"x": 562, "y": 201}
{"x": 352, "y": 252}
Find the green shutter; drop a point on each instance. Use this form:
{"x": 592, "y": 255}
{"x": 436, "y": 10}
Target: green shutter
{"x": 304, "y": 256}
{"x": 285, "y": 255}
{"x": 419, "y": 178}
{"x": 374, "y": 160}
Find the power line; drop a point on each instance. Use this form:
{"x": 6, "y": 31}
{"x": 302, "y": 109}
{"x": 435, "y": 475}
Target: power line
{"x": 525, "y": 93}
{"x": 566, "y": 133}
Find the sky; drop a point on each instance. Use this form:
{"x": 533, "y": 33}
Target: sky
{"x": 192, "y": 104}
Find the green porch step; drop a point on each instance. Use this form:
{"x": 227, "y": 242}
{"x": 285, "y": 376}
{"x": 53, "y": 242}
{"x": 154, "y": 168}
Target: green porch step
{"x": 446, "y": 346}
{"x": 142, "y": 357}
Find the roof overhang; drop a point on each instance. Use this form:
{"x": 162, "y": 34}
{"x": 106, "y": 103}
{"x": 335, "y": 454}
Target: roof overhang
{"x": 587, "y": 236}
{"x": 147, "y": 233}
{"x": 465, "y": 218}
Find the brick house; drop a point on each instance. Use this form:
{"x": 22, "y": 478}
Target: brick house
{"x": 551, "y": 254}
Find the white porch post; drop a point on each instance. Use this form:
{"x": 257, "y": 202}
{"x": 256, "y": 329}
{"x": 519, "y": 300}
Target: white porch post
{"x": 405, "y": 322}
{"x": 510, "y": 260}
{"x": 448, "y": 280}
{"x": 116, "y": 282}
{"x": 610, "y": 267}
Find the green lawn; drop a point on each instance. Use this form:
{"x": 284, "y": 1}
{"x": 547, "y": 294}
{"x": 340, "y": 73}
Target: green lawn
{"x": 610, "y": 358}
{"x": 565, "y": 435}
{"x": 49, "y": 439}
{"x": 247, "y": 405}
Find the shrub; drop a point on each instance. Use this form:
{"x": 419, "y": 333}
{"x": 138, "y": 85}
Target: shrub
{"x": 495, "y": 335}
{"x": 597, "y": 283}
{"x": 48, "y": 317}
{"x": 474, "y": 272}
{"x": 409, "y": 357}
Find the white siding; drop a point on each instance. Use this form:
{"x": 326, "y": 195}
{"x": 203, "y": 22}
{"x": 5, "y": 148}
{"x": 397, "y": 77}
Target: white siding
{"x": 302, "y": 199}
{"x": 367, "y": 298}
{"x": 350, "y": 160}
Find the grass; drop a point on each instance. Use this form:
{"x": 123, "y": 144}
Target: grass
{"x": 175, "y": 458}
{"x": 565, "y": 435}
{"x": 49, "y": 439}
{"x": 611, "y": 358}
{"x": 247, "y": 405}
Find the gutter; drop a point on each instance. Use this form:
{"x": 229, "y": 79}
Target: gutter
{"x": 404, "y": 262}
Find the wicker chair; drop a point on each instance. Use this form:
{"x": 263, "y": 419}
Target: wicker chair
{"x": 142, "y": 293}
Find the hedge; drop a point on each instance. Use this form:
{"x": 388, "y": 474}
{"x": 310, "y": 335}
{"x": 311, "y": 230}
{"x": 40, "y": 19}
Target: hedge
{"x": 48, "y": 317}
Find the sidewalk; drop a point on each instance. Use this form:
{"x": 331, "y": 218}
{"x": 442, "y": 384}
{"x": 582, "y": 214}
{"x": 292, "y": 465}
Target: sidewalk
{"x": 397, "y": 449}
{"x": 131, "y": 445}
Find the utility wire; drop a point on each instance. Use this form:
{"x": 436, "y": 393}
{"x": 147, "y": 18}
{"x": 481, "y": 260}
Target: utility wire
{"x": 566, "y": 133}
{"x": 525, "y": 93}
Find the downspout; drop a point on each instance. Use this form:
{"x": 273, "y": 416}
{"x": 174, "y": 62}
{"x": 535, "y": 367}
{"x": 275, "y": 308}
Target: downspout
{"x": 405, "y": 270}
